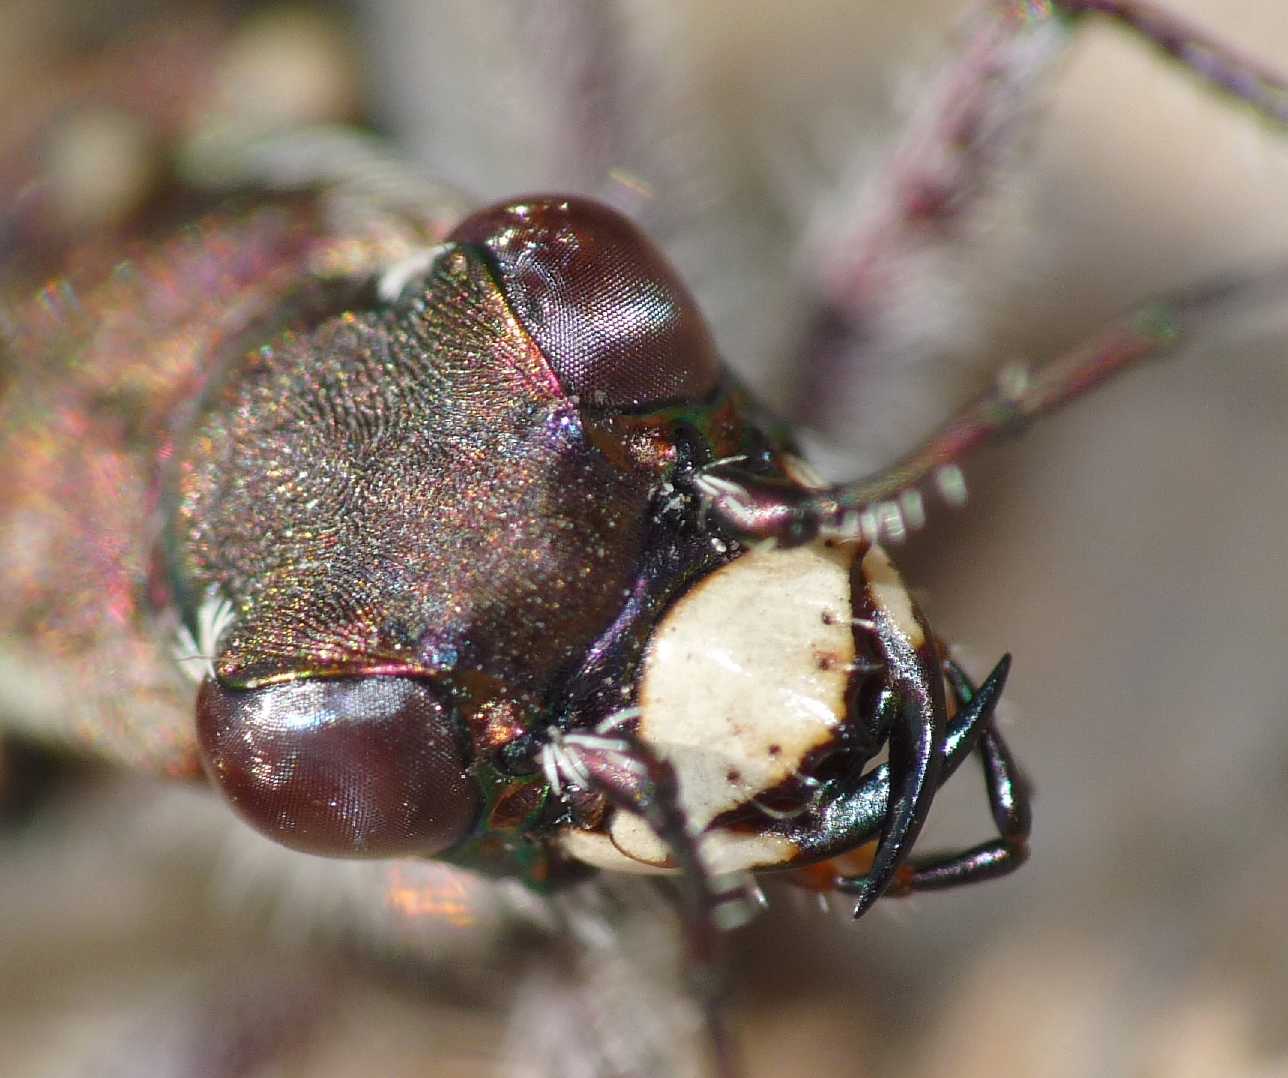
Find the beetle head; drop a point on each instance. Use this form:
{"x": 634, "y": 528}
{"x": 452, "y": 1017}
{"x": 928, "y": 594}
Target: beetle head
{"x": 428, "y": 513}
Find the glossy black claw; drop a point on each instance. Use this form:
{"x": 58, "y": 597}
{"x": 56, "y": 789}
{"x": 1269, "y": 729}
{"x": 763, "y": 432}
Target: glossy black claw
{"x": 854, "y": 818}
{"x": 859, "y": 815}
{"x": 976, "y": 708}
{"x": 917, "y": 740}
{"x": 1008, "y": 790}
{"x": 1008, "y": 799}
{"x": 867, "y": 891}
{"x": 987, "y": 861}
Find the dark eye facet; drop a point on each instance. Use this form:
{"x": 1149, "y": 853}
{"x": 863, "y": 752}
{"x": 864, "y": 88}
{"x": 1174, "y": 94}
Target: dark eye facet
{"x": 613, "y": 319}
{"x": 345, "y": 767}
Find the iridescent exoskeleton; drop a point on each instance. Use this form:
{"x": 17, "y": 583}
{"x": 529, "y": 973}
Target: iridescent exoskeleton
{"x": 463, "y": 542}
{"x": 475, "y": 551}
{"x": 488, "y": 587}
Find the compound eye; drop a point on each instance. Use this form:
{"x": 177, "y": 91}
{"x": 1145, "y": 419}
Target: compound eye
{"x": 349, "y": 767}
{"x": 611, "y": 316}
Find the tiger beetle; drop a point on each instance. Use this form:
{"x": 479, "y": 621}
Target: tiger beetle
{"x": 531, "y": 587}
{"x": 510, "y": 598}
{"x": 477, "y": 552}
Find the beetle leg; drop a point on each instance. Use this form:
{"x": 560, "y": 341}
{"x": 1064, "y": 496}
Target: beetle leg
{"x": 1008, "y": 800}
{"x": 914, "y": 209}
{"x": 1257, "y": 86}
{"x": 922, "y": 201}
{"x": 935, "y": 177}
{"x": 637, "y": 781}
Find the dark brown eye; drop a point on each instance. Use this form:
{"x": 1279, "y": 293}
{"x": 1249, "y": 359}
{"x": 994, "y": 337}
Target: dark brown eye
{"x": 611, "y": 316}
{"x": 351, "y": 767}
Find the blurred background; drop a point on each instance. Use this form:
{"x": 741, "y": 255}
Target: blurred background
{"x": 1129, "y": 553}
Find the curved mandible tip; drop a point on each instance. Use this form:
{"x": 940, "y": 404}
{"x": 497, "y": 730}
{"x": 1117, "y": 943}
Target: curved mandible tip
{"x": 917, "y": 737}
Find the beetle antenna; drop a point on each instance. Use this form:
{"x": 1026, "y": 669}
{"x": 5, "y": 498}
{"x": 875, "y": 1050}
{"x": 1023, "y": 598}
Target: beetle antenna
{"x": 771, "y": 508}
{"x": 1216, "y": 63}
